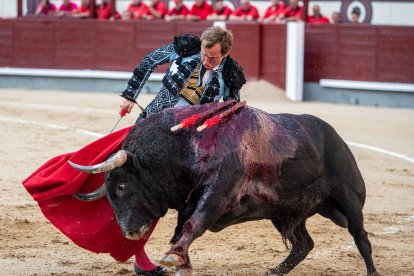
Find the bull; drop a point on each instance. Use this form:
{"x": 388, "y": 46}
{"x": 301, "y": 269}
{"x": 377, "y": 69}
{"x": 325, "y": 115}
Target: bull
{"x": 251, "y": 166}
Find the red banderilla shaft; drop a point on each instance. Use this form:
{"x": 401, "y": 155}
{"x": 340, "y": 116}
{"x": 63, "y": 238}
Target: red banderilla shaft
{"x": 216, "y": 119}
{"x": 187, "y": 122}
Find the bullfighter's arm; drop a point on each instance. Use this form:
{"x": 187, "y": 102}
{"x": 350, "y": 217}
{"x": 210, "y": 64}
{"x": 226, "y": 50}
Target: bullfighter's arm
{"x": 144, "y": 69}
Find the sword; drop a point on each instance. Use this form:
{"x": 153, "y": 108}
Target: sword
{"x": 123, "y": 113}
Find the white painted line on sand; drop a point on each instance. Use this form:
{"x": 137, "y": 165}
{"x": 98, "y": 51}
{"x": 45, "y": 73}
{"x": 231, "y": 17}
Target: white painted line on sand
{"x": 53, "y": 126}
{"x": 383, "y": 151}
{"x": 59, "y": 107}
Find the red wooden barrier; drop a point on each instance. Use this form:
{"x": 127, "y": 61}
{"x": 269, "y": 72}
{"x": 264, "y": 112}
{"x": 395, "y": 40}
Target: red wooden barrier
{"x": 369, "y": 53}
{"x": 246, "y": 46}
{"x": 364, "y": 53}
{"x": 273, "y": 58}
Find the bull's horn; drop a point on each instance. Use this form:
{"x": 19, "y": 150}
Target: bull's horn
{"x": 97, "y": 194}
{"x": 115, "y": 161}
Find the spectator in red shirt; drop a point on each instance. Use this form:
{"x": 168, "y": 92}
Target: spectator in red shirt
{"x": 273, "y": 11}
{"x": 84, "y": 10}
{"x": 45, "y": 8}
{"x": 317, "y": 17}
{"x": 67, "y": 8}
{"x": 104, "y": 11}
{"x": 157, "y": 10}
{"x": 245, "y": 11}
{"x": 179, "y": 12}
{"x": 138, "y": 9}
{"x": 200, "y": 10}
{"x": 293, "y": 12}
{"x": 220, "y": 11}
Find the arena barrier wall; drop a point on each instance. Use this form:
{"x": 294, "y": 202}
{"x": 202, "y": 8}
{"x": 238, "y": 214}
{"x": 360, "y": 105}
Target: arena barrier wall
{"x": 340, "y": 52}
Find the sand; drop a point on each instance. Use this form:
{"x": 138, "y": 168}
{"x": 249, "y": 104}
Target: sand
{"x": 30, "y": 245}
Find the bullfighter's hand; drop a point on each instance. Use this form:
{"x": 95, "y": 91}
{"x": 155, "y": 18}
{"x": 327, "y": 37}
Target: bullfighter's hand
{"x": 126, "y": 104}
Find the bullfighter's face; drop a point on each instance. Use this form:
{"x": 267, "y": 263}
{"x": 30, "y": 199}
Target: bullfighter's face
{"x": 133, "y": 204}
{"x": 211, "y": 57}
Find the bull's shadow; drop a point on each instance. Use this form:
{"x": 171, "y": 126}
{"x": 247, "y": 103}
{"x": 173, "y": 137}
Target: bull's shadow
{"x": 250, "y": 165}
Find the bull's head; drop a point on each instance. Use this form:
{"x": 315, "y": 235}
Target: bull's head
{"x": 135, "y": 206}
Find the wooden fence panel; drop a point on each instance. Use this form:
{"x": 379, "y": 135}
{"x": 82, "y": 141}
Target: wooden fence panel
{"x": 6, "y": 42}
{"x": 34, "y": 43}
{"x": 273, "y": 54}
{"x": 76, "y": 44}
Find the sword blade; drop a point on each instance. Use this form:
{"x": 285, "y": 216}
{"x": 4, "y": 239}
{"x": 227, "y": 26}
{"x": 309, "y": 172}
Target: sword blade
{"x": 117, "y": 122}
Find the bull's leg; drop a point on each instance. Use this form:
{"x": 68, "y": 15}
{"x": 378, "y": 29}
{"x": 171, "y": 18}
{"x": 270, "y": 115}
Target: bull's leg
{"x": 182, "y": 217}
{"x": 302, "y": 244}
{"x": 202, "y": 218}
{"x": 356, "y": 228}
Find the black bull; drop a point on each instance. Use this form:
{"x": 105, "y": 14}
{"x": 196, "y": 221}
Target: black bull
{"x": 251, "y": 166}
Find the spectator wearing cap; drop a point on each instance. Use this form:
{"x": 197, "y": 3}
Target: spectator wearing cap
{"x": 45, "y": 8}
{"x": 179, "y": 12}
{"x": 317, "y": 17}
{"x": 138, "y": 9}
{"x": 200, "y": 10}
{"x": 220, "y": 11}
{"x": 273, "y": 11}
{"x": 336, "y": 17}
{"x": 293, "y": 12}
{"x": 156, "y": 10}
{"x": 246, "y": 11}
{"x": 355, "y": 15}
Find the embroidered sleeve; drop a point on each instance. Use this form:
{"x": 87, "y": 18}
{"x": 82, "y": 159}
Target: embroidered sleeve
{"x": 144, "y": 69}
{"x": 234, "y": 78}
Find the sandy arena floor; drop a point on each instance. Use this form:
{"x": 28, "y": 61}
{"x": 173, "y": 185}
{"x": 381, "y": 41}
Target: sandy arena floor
{"x": 30, "y": 245}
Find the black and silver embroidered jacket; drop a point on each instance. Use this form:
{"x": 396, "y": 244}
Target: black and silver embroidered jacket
{"x": 184, "y": 56}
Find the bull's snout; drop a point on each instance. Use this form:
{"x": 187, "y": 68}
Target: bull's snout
{"x": 136, "y": 235}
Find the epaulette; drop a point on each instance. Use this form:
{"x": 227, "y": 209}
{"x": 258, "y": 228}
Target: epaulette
{"x": 233, "y": 74}
{"x": 187, "y": 45}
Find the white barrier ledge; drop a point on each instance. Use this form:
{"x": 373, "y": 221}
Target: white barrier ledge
{"x": 367, "y": 85}
{"x": 62, "y": 73}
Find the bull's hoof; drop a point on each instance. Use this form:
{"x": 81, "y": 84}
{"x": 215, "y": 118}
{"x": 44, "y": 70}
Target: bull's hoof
{"x": 158, "y": 271}
{"x": 188, "y": 271}
{"x": 172, "y": 260}
{"x": 274, "y": 271}
{"x": 375, "y": 273}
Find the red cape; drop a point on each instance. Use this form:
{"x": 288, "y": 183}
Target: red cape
{"x": 91, "y": 225}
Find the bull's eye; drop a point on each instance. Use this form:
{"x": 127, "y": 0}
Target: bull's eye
{"x": 120, "y": 190}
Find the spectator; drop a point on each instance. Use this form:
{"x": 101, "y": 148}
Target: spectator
{"x": 317, "y": 17}
{"x": 126, "y": 15}
{"x": 273, "y": 11}
{"x": 336, "y": 17}
{"x": 104, "y": 11}
{"x": 138, "y": 9}
{"x": 67, "y": 8}
{"x": 245, "y": 11}
{"x": 355, "y": 15}
{"x": 179, "y": 12}
{"x": 157, "y": 10}
{"x": 200, "y": 10}
{"x": 84, "y": 10}
{"x": 220, "y": 11}
{"x": 45, "y": 8}
{"x": 293, "y": 12}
